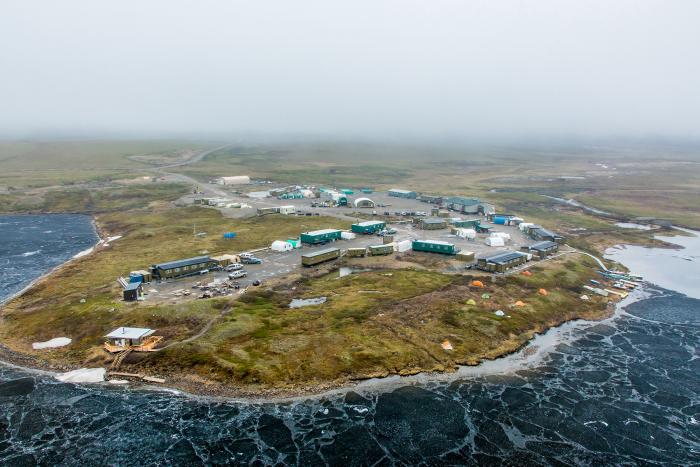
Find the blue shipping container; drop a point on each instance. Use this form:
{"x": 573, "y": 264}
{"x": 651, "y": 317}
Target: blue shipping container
{"x": 135, "y": 278}
{"x": 230, "y": 235}
{"x": 499, "y": 220}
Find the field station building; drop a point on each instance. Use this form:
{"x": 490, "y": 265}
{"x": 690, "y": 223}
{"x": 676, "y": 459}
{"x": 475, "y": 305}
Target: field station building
{"x": 541, "y": 250}
{"x": 320, "y": 236}
{"x": 368, "y": 227}
{"x": 133, "y": 291}
{"x": 234, "y": 180}
{"x": 399, "y": 193}
{"x": 321, "y": 256}
{"x": 379, "y": 250}
{"x": 434, "y": 246}
{"x": 501, "y": 262}
{"x": 182, "y": 267}
{"x": 434, "y": 223}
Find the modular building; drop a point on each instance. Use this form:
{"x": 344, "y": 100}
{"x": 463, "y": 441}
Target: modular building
{"x": 462, "y": 204}
{"x": 368, "y": 227}
{"x": 541, "y": 250}
{"x": 464, "y": 255}
{"x": 357, "y": 252}
{"x": 287, "y": 209}
{"x": 433, "y": 224}
{"x": 434, "y": 246}
{"x": 321, "y": 256}
{"x": 544, "y": 234}
{"x": 182, "y": 267}
{"x": 483, "y": 228}
{"x": 466, "y": 223}
{"x": 265, "y": 211}
{"x": 320, "y": 236}
{"x": 133, "y": 291}
{"x": 431, "y": 199}
{"x": 380, "y": 250}
{"x": 399, "y": 193}
{"x": 501, "y": 262}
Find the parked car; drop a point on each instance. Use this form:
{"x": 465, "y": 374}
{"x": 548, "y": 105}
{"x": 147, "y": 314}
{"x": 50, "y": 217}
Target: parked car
{"x": 256, "y": 282}
{"x": 234, "y": 267}
{"x": 387, "y": 213}
{"x": 390, "y": 231}
{"x": 246, "y": 255}
{"x": 203, "y": 271}
{"x": 237, "y": 274}
{"x": 251, "y": 260}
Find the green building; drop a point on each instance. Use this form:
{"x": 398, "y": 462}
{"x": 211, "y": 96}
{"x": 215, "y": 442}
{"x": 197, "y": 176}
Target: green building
{"x": 347, "y": 191}
{"x": 366, "y": 191}
{"x": 182, "y": 267}
{"x": 321, "y": 256}
{"x": 379, "y": 250}
{"x": 368, "y": 227}
{"x": 466, "y": 223}
{"x": 434, "y": 223}
{"x": 320, "y": 236}
{"x": 434, "y": 246}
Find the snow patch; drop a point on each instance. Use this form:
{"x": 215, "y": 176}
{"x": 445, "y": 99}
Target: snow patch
{"x": 83, "y": 375}
{"x": 52, "y": 343}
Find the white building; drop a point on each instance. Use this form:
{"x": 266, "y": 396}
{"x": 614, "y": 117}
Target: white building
{"x": 234, "y": 180}
{"x": 287, "y": 209}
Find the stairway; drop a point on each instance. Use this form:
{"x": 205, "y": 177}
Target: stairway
{"x": 116, "y": 363}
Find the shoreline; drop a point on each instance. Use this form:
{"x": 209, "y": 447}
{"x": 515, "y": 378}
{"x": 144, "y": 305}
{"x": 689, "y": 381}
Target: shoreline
{"x": 220, "y": 392}
{"x": 58, "y": 267}
{"x": 193, "y": 388}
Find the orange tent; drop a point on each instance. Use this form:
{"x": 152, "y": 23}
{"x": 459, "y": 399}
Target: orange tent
{"x": 519, "y": 303}
{"x": 477, "y": 284}
{"x": 526, "y": 273}
{"x": 543, "y": 292}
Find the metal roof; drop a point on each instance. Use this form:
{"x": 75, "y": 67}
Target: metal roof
{"x": 462, "y": 200}
{"x": 503, "y": 257}
{"x": 546, "y": 233}
{"x": 319, "y": 252}
{"x": 132, "y": 286}
{"x": 543, "y": 245}
{"x": 321, "y": 232}
{"x": 369, "y": 223}
{"x": 434, "y": 242}
{"x": 130, "y": 333}
{"x": 434, "y": 221}
{"x": 183, "y": 262}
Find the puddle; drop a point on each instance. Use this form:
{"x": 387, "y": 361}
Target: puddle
{"x": 301, "y": 302}
{"x": 345, "y": 271}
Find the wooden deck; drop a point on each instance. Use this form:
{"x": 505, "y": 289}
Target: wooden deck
{"x": 146, "y": 346}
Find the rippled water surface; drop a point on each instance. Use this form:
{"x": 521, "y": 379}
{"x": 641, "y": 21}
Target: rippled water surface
{"x": 625, "y": 391}
{"x": 32, "y": 245}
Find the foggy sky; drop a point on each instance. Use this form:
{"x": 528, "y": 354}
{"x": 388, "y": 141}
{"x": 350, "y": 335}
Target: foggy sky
{"x": 464, "y": 69}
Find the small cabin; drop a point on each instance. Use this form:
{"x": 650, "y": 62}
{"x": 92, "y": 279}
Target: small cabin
{"x": 133, "y": 291}
{"x": 136, "y": 339}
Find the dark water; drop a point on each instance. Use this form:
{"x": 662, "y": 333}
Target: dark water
{"x": 32, "y": 245}
{"x": 624, "y": 392}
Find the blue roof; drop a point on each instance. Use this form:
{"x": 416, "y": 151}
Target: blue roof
{"x": 132, "y": 286}
{"x": 183, "y": 262}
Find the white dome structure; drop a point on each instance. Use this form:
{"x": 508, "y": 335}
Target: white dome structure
{"x": 363, "y": 203}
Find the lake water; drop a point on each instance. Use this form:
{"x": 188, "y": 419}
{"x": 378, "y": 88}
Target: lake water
{"x": 623, "y": 391}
